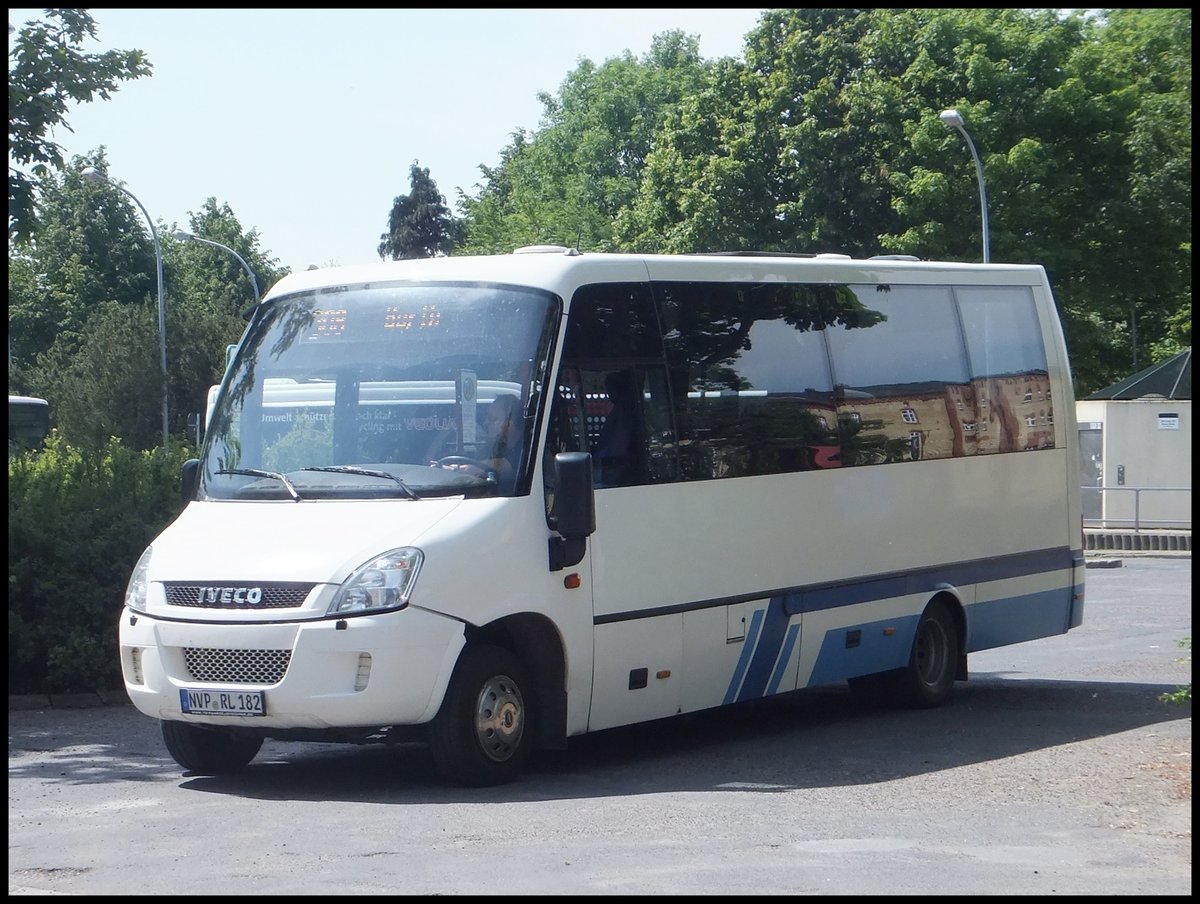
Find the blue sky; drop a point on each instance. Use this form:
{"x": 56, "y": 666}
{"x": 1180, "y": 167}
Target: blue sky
{"x": 305, "y": 122}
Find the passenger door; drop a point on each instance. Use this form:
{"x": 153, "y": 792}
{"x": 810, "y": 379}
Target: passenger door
{"x": 612, "y": 340}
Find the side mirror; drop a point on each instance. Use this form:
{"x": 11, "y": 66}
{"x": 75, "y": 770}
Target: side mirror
{"x": 574, "y": 509}
{"x": 189, "y": 479}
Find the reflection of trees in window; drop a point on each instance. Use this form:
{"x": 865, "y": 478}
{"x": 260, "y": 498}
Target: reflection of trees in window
{"x": 707, "y": 325}
{"x": 308, "y": 443}
{"x": 741, "y": 413}
{"x": 287, "y": 322}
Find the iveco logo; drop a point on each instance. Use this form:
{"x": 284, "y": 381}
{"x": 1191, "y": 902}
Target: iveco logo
{"x": 231, "y": 596}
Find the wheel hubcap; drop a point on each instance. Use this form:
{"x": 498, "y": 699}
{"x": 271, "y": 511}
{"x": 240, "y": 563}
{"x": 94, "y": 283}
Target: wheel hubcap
{"x": 932, "y": 652}
{"x": 499, "y": 718}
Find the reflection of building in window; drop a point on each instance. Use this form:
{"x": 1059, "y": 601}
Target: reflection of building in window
{"x": 993, "y": 418}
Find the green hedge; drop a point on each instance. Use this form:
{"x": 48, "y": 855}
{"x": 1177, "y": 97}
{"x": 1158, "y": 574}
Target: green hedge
{"x": 77, "y": 522}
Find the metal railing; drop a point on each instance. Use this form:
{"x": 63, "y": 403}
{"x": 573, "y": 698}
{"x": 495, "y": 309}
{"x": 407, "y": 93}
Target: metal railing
{"x": 1136, "y": 522}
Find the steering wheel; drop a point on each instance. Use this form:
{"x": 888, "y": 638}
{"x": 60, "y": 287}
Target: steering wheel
{"x": 481, "y": 466}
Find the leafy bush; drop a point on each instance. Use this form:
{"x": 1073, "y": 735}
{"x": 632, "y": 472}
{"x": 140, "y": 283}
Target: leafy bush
{"x": 77, "y": 522}
{"x": 1182, "y": 694}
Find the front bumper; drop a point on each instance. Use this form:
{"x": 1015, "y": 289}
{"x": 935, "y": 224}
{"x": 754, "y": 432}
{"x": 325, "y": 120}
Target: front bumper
{"x": 365, "y": 672}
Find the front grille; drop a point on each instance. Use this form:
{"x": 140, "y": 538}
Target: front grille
{"x": 236, "y": 666}
{"x": 238, "y": 595}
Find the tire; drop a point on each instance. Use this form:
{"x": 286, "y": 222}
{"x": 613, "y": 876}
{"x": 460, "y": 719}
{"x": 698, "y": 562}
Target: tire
{"x": 928, "y": 679}
{"x": 206, "y": 750}
{"x": 483, "y": 734}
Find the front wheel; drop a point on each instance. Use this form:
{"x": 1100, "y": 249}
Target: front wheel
{"x": 481, "y": 735}
{"x": 206, "y": 750}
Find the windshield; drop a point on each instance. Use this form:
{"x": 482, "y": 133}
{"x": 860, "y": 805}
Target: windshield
{"x": 383, "y": 391}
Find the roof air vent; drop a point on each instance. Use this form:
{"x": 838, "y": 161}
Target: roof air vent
{"x": 545, "y": 249}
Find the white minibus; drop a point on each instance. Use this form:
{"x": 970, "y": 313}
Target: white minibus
{"x": 710, "y": 479}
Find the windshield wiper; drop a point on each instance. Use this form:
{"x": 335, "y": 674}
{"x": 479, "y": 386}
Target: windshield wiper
{"x": 367, "y": 472}
{"x": 254, "y": 472}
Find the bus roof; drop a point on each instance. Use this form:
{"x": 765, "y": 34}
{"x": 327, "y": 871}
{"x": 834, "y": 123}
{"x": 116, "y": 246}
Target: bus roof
{"x": 549, "y": 266}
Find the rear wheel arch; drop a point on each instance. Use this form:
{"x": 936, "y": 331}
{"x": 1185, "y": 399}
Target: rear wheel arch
{"x": 950, "y": 599}
{"x": 936, "y": 659}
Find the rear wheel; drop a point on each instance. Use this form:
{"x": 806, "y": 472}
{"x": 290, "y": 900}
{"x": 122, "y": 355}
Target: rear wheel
{"x": 208, "y": 750}
{"x": 482, "y": 734}
{"x": 929, "y": 678}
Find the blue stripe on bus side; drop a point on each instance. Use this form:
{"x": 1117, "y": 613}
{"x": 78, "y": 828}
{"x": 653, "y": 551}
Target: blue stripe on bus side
{"x": 885, "y": 644}
{"x": 930, "y": 579}
{"x": 771, "y": 638}
{"x": 744, "y": 659}
{"x": 789, "y": 643}
{"x": 878, "y": 650}
{"x": 842, "y": 593}
{"x": 1016, "y": 619}
{"x": 766, "y": 651}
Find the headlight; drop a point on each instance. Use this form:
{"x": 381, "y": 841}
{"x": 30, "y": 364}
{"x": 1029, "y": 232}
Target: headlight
{"x": 139, "y": 585}
{"x": 382, "y": 584}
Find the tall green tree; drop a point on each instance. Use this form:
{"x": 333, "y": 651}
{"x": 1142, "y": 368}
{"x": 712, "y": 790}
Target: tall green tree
{"x": 90, "y": 245}
{"x": 566, "y": 183}
{"x": 419, "y": 224}
{"x": 47, "y": 71}
{"x": 109, "y": 383}
{"x": 83, "y": 307}
{"x": 828, "y": 139}
{"x": 1151, "y": 50}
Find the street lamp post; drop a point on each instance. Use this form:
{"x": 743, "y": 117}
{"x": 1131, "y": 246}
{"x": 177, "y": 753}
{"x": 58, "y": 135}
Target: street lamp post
{"x": 182, "y": 235}
{"x": 953, "y": 119}
{"x": 91, "y": 174}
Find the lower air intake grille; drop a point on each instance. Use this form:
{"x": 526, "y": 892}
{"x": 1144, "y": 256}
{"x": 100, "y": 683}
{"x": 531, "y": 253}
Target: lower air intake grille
{"x": 236, "y": 666}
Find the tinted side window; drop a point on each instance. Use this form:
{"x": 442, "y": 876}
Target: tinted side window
{"x": 613, "y": 321}
{"x": 613, "y": 388}
{"x": 1008, "y": 368}
{"x": 899, "y": 378}
{"x": 751, "y": 385}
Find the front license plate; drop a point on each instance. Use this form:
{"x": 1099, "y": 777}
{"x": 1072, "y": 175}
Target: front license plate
{"x": 198, "y": 702}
